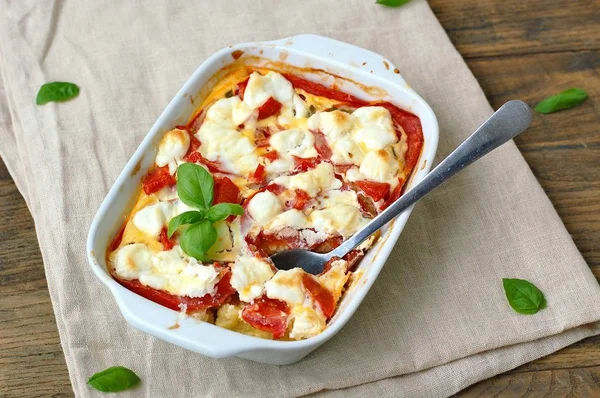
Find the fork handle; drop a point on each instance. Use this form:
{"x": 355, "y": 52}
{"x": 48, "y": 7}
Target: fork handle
{"x": 506, "y": 123}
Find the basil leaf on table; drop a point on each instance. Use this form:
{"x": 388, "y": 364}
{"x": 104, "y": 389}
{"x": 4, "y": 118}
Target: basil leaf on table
{"x": 565, "y": 100}
{"x": 114, "y": 379}
{"x": 523, "y": 296}
{"x": 197, "y": 239}
{"x": 392, "y": 3}
{"x": 223, "y": 210}
{"x": 56, "y": 91}
{"x": 195, "y": 186}
{"x": 189, "y": 217}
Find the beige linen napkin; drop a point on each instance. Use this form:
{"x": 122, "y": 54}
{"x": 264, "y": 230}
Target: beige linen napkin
{"x": 435, "y": 321}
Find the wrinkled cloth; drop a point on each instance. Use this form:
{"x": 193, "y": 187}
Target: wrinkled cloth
{"x": 435, "y": 321}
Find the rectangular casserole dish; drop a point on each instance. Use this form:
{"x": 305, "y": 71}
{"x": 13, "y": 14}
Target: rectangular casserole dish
{"x": 356, "y": 71}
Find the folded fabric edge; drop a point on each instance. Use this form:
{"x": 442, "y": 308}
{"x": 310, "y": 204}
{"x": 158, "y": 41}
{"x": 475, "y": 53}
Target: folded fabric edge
{"x": 452, "y": 377}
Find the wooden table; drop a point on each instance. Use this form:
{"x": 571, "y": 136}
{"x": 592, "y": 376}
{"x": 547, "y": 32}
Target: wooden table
{"x": 516, "y": 49}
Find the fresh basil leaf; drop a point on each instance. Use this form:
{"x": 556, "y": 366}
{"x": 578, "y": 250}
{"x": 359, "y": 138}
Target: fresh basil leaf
{"x": 197, "y": 239}
{"x": 189, "y": 217}
{"x": 56, "y": 91}
{"x": 195, "y": 186}
{"x": 523, "y": 296}
{"x": 114, "y": 379}
{"x": 392, "y": 3}
{"x": 565, "y": 100}
{"x": 223, "y": 210}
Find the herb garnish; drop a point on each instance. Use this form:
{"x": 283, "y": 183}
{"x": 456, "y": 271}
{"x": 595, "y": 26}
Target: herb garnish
{"x": 392, "y": 3}
{"x": 56, "y": 91}
{"x": 114, "y": 379}
{"x": 565, "y": 100}
{"x": 195, "y": 188}
{"x": 523, "y": 296}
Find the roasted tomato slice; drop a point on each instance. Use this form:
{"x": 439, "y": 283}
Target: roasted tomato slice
{"x": 305, "y": 164}
{"x": 323, "y": 91}
{"x": 269, "y": 108}
{"x": 225, "y": 191}
{"x": 116, "y": 242}
{"x": 157, "y": 179}
{"x": 321, "y": 296}
{"x": 376, "y": 190}
{"x": 396, "y": 193}
{"x": 196, "y": 157}
{"x": 272, "y": 155}
{"x": 223, "y": 290}
{"x": 163, "y": 238}
{"x": 269, "y": 315}
{"x": 259, "y": 176}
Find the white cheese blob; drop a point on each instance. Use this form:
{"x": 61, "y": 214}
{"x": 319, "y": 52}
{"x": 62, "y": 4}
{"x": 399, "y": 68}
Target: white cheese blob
{"x": 287, "y": 286}
{"x": 340, "y": 214}
{"x": 196, "y": 280}
{"x": 346, "y": 151}
{"x": 312, "y": 181}
{"x": 264, "y": 206}
{"x": 279, "y": 166}
{"x": 229, "y": 112}
{"x": 308, "y": 322}
{"x": 261, "y": 88}
{"x": 334, "y": 125}
{"x": 131, "y": 260}
{"x": 335, "y": 278}
{"x": 151, "y": 219}
{"x": 172, "y": 147}
{"x": 234, "y": 151}
{"x": 294, "y": 142}
{"x": 373, "y": 128}
{"x": 170, "y": 270}
{"x": 291, "y": 218}
{"x": 379, "y": 166}
{"x": 248, "y": 276}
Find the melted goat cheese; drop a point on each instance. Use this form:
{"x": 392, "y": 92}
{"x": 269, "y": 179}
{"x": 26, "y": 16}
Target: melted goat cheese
{"x": 248, "y": 276}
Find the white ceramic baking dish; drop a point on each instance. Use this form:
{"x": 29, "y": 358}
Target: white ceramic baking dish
{"x": 383, "y": 81}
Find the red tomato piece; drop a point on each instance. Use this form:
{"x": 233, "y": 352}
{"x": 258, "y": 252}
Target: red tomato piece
{"x": 269, "y": 315}
{"x": 272, "y": 155}
{"x": 376, "y": 190}
{"x": 366, "y": 205}
{"x": 321, "y": 296}
{"x": 163, "y": 238}
{"x": 396, "y": 193}
{"x": 268, "y": 109}
{"x": 259, "y": 176}
{"x": 223, "y": 290}
{"x": 225, "y": 191}
{"x": 327, "y": 245}
{"x": 323, "y": 91}
{"x": 321, "y": 145}
{"x": 117, "y": 239}
{"x": 196, "y": 157}
{"x": 157, "y": 179}
{"x": 305, "y": 164}
{"x": 342, "y": 168}
{"x": 241, "y": 87}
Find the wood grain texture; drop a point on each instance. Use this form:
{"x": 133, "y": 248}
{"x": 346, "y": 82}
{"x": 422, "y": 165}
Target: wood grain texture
{"x": 516, "y": 49}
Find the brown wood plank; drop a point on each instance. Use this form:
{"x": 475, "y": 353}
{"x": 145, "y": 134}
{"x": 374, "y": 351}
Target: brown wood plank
{"x": 485, "y": 28}
{"x": 583, "y": 382}
{"x": 32, "y": 363}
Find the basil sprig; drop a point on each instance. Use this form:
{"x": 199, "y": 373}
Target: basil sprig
{"x": 523, "y": 296}
{"x": 114, "y": 379}
{"x": 392, "y": 3}
{"x": 195, "y": 187}
{"x": 56, "y": 91}
{"x": 565, "y": 100}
